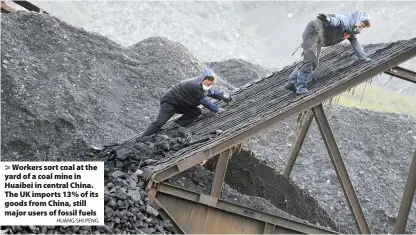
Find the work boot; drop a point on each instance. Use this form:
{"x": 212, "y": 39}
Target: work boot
{"x": 302, "y": 83}
{"x": 290, "y": 85}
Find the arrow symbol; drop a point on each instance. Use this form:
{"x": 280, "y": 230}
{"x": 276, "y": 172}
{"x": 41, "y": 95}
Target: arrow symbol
{"x": 7, "y": 167}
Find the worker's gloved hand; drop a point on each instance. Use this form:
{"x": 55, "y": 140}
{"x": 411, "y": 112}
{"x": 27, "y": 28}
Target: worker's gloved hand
{"x": 324, "y": 18}
{"x": 220, "y": 110}
{"x": 227, "y": 98}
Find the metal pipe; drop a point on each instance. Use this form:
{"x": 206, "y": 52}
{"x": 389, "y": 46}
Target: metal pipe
{"x": 407, "y": 199}
{"x": 340, "y": 169}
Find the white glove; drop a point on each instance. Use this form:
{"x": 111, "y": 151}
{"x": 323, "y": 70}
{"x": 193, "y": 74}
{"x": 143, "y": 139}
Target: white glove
{"x": 227, "y": 98}
{"x": 220, "y": 110}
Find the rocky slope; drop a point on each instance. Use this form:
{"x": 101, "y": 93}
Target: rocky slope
{"x": 63, "y": 86}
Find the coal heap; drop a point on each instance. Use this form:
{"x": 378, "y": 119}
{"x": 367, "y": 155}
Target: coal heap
{"x": 65, "y": 88}
{"x": 237, "y": 71}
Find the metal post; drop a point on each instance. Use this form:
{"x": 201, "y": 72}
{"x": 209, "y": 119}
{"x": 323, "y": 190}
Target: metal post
{"x": 408, "y": 194}
{"x": 298, "y": 144}
{"x": 340, "y": 168}
{"x": 219, "y": 176}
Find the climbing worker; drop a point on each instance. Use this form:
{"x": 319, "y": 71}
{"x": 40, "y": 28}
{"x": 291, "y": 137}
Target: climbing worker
{"x": 327, "y": 30}
{"x": 184, "y": 98}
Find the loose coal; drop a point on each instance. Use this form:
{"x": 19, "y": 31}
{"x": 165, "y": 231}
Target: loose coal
{"x": 127, "y": 209}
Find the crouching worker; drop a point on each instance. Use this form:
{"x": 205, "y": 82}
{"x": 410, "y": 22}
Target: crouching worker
{"x": 184, "y": 98}
{"x": 327, "y": 30}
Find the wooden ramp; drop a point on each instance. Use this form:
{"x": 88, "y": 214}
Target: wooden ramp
{"x": 259, "y": 106}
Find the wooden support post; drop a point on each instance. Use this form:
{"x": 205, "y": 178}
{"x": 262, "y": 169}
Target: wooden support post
{"x": 298, "y": 144}
{"x": 340, "y": 169}
{"x": 219, "y": 176}
{"x": 407, "y": 199}
{"x": 5, "y": 8}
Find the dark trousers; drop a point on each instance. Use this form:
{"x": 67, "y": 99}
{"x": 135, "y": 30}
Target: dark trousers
{"x": 166, "y": 111}
{"x": 311, "y": 50}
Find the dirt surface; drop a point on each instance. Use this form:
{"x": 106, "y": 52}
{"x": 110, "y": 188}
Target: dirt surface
{"x": 377, "y": 149}
{"x": 240, "y": 72}
{"x": 63, "y": 85}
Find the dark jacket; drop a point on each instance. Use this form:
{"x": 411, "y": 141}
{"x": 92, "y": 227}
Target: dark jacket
{"x": 189, "y": 93}
{"x": 339, "y": 26}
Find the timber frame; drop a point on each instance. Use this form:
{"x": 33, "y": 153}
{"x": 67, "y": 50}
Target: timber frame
{"x": 25, "y": 4}
{"x": 209, "y": 214}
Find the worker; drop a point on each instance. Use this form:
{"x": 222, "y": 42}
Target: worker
{"x": 327, "y": 30}
{"x": 184, "y": 98}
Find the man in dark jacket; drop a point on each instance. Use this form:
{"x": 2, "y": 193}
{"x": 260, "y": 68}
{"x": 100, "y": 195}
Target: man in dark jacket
{"x": 327, "y": 30}
{"x": 184, "y": 98}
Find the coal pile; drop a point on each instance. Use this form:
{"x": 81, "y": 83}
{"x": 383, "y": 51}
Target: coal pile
{"x": 64, "y": 87}
{"x": 170, "y": 60}
{"x": 237, "y": 71}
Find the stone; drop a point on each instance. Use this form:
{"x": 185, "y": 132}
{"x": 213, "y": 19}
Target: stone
{"x": 135, "y": 195}
{"x": 151, "y": 210}
{"x": 117, "y": 174}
